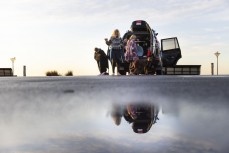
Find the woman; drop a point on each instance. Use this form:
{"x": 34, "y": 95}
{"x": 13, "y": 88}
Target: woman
{"x": 131, "y": 54}
{"x": 115, "y": 44}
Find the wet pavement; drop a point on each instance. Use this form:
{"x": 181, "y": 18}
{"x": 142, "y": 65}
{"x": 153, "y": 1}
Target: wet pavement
{"x": 114, "y": 114}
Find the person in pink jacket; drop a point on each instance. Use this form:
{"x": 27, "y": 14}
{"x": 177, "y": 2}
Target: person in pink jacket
{"x": 131, "y": 54}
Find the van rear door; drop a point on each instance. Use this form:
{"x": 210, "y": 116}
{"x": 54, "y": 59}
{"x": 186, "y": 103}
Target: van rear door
{"x": 171, "y": 51}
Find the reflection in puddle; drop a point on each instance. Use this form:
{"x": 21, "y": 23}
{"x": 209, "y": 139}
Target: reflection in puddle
{"x": 74, "y": 126}
{"x": 141, "y": 115}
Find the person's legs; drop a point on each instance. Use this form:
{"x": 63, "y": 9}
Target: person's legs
{"x": 113, "y": 63}
{"x": 117, "y": 64}
{"x": 103, "y": 65}
{"x": 136, "y": 67}
{"x": 98, "y": 62}
{"x": 131, "y": 68}
{"x": 103, "y": 69}
{"x": 122, "y": 55}
{"x": 117, "y": 57}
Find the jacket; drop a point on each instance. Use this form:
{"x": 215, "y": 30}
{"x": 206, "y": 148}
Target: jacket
{"x": 131, "y": 51}
{"x": 101, "y": 57}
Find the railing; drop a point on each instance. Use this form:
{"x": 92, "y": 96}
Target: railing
{"x": 6, "y": 72}
{"x": 182, "y": 70}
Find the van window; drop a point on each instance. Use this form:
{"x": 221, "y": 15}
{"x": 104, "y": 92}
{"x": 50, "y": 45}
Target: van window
{"x": 169, "y": 44}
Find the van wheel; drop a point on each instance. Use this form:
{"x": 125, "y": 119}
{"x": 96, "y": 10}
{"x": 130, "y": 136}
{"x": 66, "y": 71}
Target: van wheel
{"x": 122, "y": 72}
{"x": 159, "y": 72}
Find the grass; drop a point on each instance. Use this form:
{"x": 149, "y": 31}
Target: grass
{"x": 52, "y": 73}
{"x": 69, "y": 73}
{"x": 55, "y": 73}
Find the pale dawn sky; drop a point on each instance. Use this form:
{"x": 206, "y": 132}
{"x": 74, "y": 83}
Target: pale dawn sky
{"x": 61, "y": 34}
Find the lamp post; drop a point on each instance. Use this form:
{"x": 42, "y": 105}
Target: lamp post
{"x": 217, "y": 55}
{"x": 12, "y": 60}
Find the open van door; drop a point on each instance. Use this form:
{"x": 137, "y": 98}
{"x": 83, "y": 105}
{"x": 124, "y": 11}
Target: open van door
{"x": 171, "y": 52}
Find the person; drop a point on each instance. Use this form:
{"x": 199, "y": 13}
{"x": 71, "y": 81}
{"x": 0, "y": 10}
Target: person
{"x": 102, "y": 61}
{"x": 116, "y": 114}
{"x": 131, "y": 55}
{"x": 115, "y": 44}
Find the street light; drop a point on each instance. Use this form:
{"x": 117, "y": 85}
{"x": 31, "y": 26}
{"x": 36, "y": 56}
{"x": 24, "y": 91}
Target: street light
{"x": 217, "y": 55}
{"x": 12, "y": 60}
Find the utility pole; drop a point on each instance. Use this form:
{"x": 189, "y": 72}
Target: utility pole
{"x": 12, "y": 60}
{"x": 217, "y": 55}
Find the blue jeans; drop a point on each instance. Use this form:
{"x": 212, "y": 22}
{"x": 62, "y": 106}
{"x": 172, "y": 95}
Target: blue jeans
{"x": 116, "y": 56}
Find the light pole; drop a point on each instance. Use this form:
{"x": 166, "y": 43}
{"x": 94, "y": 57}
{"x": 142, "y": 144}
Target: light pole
{"x": 217, "y": 55}
{"x": 12, "y": 60}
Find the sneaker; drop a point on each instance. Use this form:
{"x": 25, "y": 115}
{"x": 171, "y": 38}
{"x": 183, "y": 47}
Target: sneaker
{"x": 103, "y": 73}
{"x": 118, "y": 73}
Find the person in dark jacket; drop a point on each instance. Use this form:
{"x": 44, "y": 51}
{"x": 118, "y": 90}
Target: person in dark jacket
{"x": 102, "y": 61}
{"x": 115, "y": 44}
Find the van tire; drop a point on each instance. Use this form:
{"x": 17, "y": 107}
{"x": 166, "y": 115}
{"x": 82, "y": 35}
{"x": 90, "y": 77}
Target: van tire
{"x": 122, "y": 72}
{"x": 159, "y": 72}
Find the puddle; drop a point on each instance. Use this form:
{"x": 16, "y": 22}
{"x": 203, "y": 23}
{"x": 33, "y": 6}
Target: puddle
{"x": 103, "y": 120}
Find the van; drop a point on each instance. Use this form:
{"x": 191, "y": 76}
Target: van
{"x": 146, "y": 43}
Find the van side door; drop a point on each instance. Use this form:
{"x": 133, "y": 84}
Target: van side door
{"x": 171, "y": 51}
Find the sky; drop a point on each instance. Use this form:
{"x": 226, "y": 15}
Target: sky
{"x": 61, "y": 34}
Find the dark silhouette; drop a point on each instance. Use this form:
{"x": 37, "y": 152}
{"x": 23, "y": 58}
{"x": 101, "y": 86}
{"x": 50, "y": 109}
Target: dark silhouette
{"x": 6, "y": 72}
{"x": 141, "y": 116}
{"x": 52, "y": 73}
{"x": 69, "y": 73}
{"x": 102, "y": 61}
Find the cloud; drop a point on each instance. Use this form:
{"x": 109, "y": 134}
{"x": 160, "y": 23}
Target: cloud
{"x": 104, "y": 11}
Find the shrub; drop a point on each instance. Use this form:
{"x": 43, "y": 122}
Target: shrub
{"x": 69, "y": 73}
{"x": 52, "y": 73}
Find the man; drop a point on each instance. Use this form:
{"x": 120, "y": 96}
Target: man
{"x": 102, "y": 61}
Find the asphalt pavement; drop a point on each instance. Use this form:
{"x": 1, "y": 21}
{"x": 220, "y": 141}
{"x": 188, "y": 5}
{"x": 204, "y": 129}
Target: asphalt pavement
{"x": 72, "y": 114}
